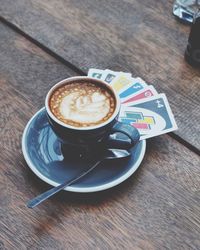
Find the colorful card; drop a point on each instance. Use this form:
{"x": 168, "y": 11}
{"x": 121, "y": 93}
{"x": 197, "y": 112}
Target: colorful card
{"x": 95, "y": 73}
{"x": 151, "y": 117}
{"x": 142, "y": 94}
{"x": 136, "y": 85}
{"x": 121, "y": 81}
{"x": 142, "y": 107}
{"x": 109, "y": 75}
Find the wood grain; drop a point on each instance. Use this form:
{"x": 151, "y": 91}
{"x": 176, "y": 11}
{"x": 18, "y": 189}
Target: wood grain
{"x": 157, "y": 208}
{"x": 141, "y": 37}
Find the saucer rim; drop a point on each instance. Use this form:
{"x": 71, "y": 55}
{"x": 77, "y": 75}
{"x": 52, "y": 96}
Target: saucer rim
{"x": 78, "y": 189}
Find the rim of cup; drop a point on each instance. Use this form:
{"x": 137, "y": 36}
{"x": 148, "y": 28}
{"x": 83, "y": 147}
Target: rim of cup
{"x": 71, "y": 79}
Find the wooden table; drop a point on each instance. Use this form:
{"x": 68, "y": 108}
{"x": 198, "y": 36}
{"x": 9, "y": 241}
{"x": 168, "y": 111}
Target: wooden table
{"x": 42, "y": 42}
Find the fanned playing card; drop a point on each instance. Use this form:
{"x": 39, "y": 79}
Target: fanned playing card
{"x": 142, "y": 107}
{"x": 109, "y": 75}
{"x": 139, "y": 95}
{"x": 95, "y": 73}
{"x": 151, "y": 116}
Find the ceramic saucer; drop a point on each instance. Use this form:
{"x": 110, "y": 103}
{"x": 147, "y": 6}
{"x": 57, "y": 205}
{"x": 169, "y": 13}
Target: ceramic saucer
{"x": 43, "y": 154}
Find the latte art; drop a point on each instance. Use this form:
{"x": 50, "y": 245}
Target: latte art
{"x": 84, "y": 109}
{"x": 82, "y": 104}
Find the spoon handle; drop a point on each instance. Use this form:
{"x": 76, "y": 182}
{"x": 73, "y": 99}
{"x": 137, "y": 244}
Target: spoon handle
{"x": 42, "y": 197}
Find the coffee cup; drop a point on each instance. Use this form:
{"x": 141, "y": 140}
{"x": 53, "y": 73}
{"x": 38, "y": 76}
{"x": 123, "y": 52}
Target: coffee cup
{"x": 83, "y": 112}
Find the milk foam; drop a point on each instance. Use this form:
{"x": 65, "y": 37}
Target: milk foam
{"x": 85, "y": 109}
{"x": 82, "y": 104}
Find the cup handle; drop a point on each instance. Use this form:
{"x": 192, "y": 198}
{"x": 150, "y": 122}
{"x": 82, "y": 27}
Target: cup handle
{"x": 131, "y": 137}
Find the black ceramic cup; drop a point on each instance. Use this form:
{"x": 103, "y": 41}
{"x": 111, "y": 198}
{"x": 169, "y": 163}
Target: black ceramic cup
{"x": 91, "y": 136}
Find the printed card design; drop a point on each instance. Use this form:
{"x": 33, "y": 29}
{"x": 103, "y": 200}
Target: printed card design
{"x": 95, "y": 73}
{"x": 136, "y": 85}
{"x": 109, "y": 75}
{"x": 121, "y": 81}
{"x": 151, "y": 117}
{"x": 142, "y": 107}
{"x": 142, "y": 94}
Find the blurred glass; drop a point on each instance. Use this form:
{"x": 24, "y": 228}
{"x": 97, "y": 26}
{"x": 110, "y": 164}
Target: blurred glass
{"x": 185, "y": 9}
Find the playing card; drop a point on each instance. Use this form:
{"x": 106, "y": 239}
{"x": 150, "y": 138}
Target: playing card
{"x": 151, "y": 116}
{"x": 109, "y": 75}
{"x": 95, "y": 73}
{"x": 135, "y": 85}
{"x": 121, "y": 81}
{"x": 144, "y": 93}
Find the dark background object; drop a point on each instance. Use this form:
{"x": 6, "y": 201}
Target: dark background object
{"x": 192, "y": 53}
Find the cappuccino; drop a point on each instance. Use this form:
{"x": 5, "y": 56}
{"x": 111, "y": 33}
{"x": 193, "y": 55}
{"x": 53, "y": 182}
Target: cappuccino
{"x": 82, "y": 103}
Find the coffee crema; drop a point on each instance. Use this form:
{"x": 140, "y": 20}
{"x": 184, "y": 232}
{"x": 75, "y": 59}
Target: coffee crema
{"x": 82, "y": 103}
